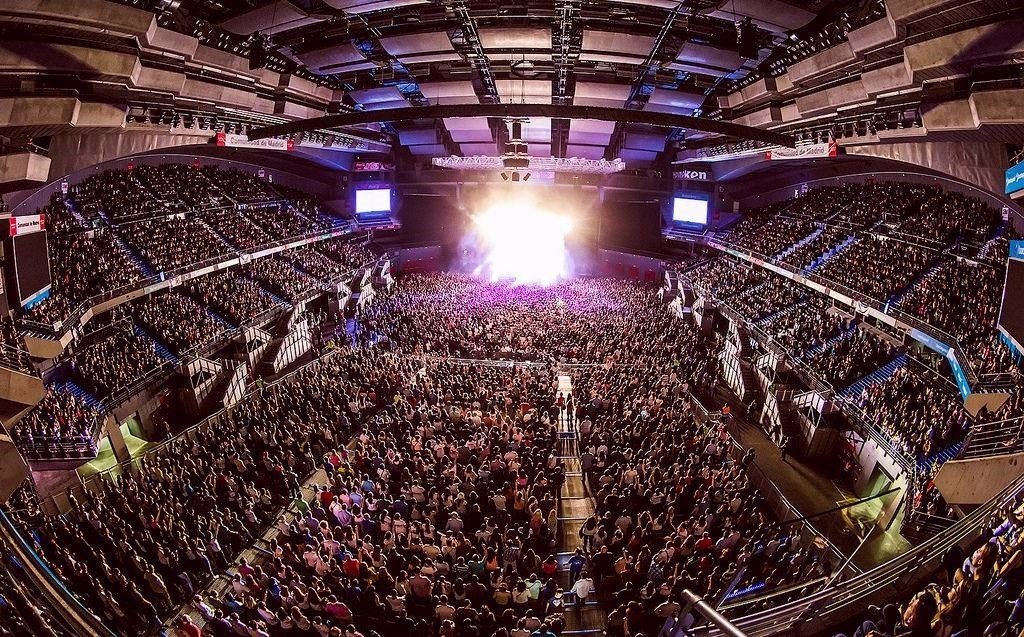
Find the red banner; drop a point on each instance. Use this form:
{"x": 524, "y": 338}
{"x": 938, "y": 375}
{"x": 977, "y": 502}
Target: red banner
{"x": 26, "y": 224}
{"x": 825, "y": 149}
{"x": 231, "y": 140}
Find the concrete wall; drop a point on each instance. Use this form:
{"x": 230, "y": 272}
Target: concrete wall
{"x": 979, "y": 163}
{"x": 417, "y": 259}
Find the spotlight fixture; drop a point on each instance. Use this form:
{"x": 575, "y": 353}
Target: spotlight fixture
{"x": 746, "y": 38}
{"x": 515, "y": 176}
{"x": 259, "y": 52}
{"x": 516, "y": 158}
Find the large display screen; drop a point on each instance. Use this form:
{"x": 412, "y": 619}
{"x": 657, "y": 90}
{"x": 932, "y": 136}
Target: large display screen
{"x": 690, "y": 209}
{"x": 373, "y": 200}
{"x": 32, "y": 268}
{"x": 1011, "y": 315}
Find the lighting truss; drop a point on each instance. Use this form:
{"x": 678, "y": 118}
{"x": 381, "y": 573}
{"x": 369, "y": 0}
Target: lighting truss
{"x": 576, "y": 165}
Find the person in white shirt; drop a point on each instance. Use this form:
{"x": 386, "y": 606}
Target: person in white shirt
{"x": 582, "y": 589}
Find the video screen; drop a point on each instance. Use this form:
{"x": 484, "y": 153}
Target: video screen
{"x": 32, "y": 267}
{"x": 373, "y": 200}
{"x": 692, "y": 209}
{"x": 1011, "y": 315}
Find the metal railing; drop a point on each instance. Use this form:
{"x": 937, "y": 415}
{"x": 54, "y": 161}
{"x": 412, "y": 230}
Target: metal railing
{"x": 17, "y": 359}
{"x": 58, "y": 328}
{"x": 894, "y": 580}
{"x": 868, "y": 301}
{"x": 995, "y": 438}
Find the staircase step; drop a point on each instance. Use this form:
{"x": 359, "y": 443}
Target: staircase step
{"x": 831, "y": 253}
{"x": 841, "y": 336}
{"x": 896, "y": 299}
{"x": 86, "y": 397}
{"x": 226, "y": 324}
{"x": 139, "y": 262}
{"x": 802, "y": 242}
{"x": 880, "y": 375}
{"x": 161, "y": 350}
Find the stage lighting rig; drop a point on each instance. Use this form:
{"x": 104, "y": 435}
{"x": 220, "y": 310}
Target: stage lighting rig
{"x": 746, "y": 38}
{"x": 516, "y": 158}
{"x": 516, "y": 163}
{"x": 259, "y": 51}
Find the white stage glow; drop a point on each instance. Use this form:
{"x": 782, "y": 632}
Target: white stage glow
{"x": 523, "y": 242}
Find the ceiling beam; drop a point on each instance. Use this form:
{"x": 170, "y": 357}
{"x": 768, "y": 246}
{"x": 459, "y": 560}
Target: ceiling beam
{"x": 506, "y": 111}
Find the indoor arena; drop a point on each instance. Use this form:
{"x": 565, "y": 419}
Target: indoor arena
{"x": 534, "y": 318}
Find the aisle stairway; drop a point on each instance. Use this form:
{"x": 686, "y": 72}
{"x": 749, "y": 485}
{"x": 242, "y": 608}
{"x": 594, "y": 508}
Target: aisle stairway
{"x": 133, "y": 256}
{"x": 879, "y": 375}
{"x": 72, "y": 207}
{"x": 987, "y": 248}
{"x": 575, "y": 505}
{"x": 160, "y": 348}
{"x": 829, "y": 342}
{"x": 215, "y": 232}
{"x": 844, "y": 244}
{"x": 940, "y": 457}
{"x": 86, "y": 397}
{"x": 802, "y": 242}
{"x": 896, "y": 298}
{"x": 771, "y": 316}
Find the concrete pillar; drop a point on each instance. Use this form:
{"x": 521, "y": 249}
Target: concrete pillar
{"x": 52, "y": 488}
{"x": 13, "y": 470}
{"x": 117, "y": 443}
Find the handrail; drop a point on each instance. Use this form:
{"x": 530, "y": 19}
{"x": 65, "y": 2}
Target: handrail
{"x": 16, "y": 358}
{"x": 57, "y": 329}
{"x": 864, "y": 299}
{"x": 828, "y": 607}
{"x": 695, "y": 602}
{"x": 61, "y": 600}
{"x": 997, "y": 438}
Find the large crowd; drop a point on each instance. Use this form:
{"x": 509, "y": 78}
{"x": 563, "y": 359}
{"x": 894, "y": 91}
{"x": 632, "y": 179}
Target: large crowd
{"x": 440, "y": 512}
{"x": 452, "y": 315}
{"x": 121, "y": 356}
{"x": 83, "y": 264}
{"x": 937, "y": 255}
{"x": 119, "y": 226}
{"x": 921, "y": 416}
{"x": 977, "y": 592}
{"x": 918, "y": 414}
{"x": 847, "y": 360}
{"x": 769, "y": 235}
{"x": 939, "y": 300}
{"x": 172, "y": 243}
{"x": 231, "y": 296}
{"x": 878, "y": 267}
{"x": 61, "y": 425}
{"x": 437, "y": 505}
{"x": 123, "y": 345}
{"x": 178, "y": 321}
{"x": 280, "y": 277}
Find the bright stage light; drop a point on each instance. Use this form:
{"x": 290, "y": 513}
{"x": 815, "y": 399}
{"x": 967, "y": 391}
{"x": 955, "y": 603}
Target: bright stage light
{"x": 523, "y": 242}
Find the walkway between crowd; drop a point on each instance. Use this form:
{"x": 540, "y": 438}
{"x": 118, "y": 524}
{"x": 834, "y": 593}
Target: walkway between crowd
{"x": 575, "y": 505}
{"x": 256, "y": 554}
{"x": 810, "y": 489}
